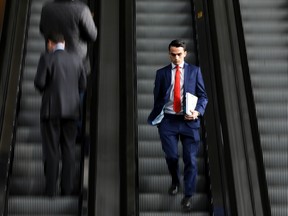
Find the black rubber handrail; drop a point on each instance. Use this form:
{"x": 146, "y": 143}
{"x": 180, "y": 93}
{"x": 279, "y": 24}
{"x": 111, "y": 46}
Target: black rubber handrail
{"x": 13, "y": 43}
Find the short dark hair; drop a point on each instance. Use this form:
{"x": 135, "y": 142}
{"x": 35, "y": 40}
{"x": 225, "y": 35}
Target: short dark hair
{"x": 177, "y": 43}
{"x": 56, "y": 37}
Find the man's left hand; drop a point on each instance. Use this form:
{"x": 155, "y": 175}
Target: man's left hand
{"x": 193, "y": 116}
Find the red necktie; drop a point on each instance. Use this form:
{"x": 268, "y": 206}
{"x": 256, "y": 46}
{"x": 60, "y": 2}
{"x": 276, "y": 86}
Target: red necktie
{"x": 177, "y": 96}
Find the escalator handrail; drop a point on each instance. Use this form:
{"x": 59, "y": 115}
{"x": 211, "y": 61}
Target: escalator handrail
{"x": 11, "y": 67}
{"x": 234, "y": 126}
{"x": 252, "y": 112}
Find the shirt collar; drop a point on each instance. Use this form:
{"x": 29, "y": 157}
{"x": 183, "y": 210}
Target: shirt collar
{"x": 181, "y": 65}
{"x": 59, "y": 46}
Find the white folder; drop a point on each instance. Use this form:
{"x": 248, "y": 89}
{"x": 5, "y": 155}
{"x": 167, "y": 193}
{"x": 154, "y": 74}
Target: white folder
{"x": 191, "y": 102}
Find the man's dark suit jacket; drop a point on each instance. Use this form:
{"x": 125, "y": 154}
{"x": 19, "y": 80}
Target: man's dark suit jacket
{"x": 71, "y": 18}
{"x": 193, "y": 83}
{"x": 60, "y": 77}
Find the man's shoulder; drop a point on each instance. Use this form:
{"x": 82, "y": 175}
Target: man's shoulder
{"x": 45, "y": 56}
{"x": 68, "y": 57}
{"x": 191, "y": 67}
{"x": 167, "y": 67}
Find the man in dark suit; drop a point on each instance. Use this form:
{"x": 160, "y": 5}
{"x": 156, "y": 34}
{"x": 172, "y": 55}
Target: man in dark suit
{"x": 60, "y": 77}
{"x": 173, "y": 122}
{"x": 74, "y": 19}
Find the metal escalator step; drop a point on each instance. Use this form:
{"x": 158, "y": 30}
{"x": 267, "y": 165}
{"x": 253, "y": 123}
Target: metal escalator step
{"x": 171, "y": 214}
{"x": 270, "y": 95}
{"x": 33, "y": 151}
{"x": 29, "y": 89}
{"x": 278, "y": 195}
{"x": 277, "y": 53}
{"x": 153, "y": 149}
{"x": 275, "y": 159}
{"x": 28, "y": 135}
{"x": 268, "y": 142}
{"x": 35, "y": 45}
{"x": 142, "y": 70}
{"x": 32, "y": 59}
{"x": 279, "y": 210}
{"x": 277, "y": 66}
{"x": 31, "y": 103}
{"x": 29, "y": 118}
{"x": 158, "y": 166}
{"x": 145, "y": 86}
{"x": 263, "y": 14}
{"x": 145, "y": 101}
{"x": 43, "y": 205}
{"x": 33, "y": 168}
{"x": 162, "y": 31}
{"x": 264, "y": 4}
{"x": 170, "y": 7}
{"x": 29, "y": 75}
{"x": 277, "y": 176}
{"x": 164, "y": 202}
{"x": 273, "y": 125}
{"x": 42, "y": 215}
{"x": 33, "y": 185}
{"x": 21, "y": 186}
{"x": 266, "y": 40}
{"x": 26, "y": 151}
{"x": 161, "y": 183}
{"x": 147, "y": 132}
{"x": 142, "y": 19}
{"x": 269, "y": 80}
{"x": 143, "y": 115}
{"x": 265, "y": 27}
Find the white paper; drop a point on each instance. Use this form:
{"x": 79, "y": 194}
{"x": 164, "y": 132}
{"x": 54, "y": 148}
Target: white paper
{"x": 191, "y": 102}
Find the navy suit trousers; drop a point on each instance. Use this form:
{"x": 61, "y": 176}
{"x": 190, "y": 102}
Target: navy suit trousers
{"x": 172, "y": 129}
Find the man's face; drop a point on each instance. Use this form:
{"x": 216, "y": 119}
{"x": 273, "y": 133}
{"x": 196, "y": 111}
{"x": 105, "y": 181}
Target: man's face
{"x": 177, "y": 55}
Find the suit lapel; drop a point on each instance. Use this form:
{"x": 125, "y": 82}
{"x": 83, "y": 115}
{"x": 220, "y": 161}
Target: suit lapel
{"x": 168, "y": 80}
{"x": 186, "y": 76}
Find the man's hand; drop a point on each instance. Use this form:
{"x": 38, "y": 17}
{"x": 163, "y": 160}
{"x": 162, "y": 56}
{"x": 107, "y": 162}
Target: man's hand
{"x": 193, "y": 116}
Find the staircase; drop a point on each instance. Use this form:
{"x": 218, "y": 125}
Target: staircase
{"x": 27, "y": 182}
{"x": 265, "y": 25}
{"x": 158, "y": 22}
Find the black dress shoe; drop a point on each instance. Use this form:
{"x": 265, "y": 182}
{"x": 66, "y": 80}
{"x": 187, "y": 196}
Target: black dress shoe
{"x": 186, "y": 204}
{"x": 173, "y": 190}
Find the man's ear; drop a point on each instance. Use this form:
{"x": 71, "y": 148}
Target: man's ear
{"x": 185, "y": 53}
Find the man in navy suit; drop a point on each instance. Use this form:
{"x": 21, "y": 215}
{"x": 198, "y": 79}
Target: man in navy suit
{"x": 60, "y": 77}
{"x": 174, "y": 125}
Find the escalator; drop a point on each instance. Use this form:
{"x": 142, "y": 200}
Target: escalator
{"x": 27, "y": 182}
{"x": 157, "y": 24}
{"x": 266, "y": 37}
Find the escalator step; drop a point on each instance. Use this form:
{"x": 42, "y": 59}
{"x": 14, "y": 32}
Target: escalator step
{"x": 160, "y": 202}
{"x": 33, "y": 168}
{"x": 27, "y": 151}
{"x": 172, "y": 214}
{"x": 157, "y": 166}
{"x": 28, "y": 134}
{"x": 43, "y": 205}
{"x": 153, "y": 149}
{"x": 161, "y": 183}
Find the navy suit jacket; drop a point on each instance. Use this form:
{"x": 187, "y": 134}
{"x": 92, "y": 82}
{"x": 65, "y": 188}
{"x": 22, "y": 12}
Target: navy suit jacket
{"x": 193, "y": 83}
